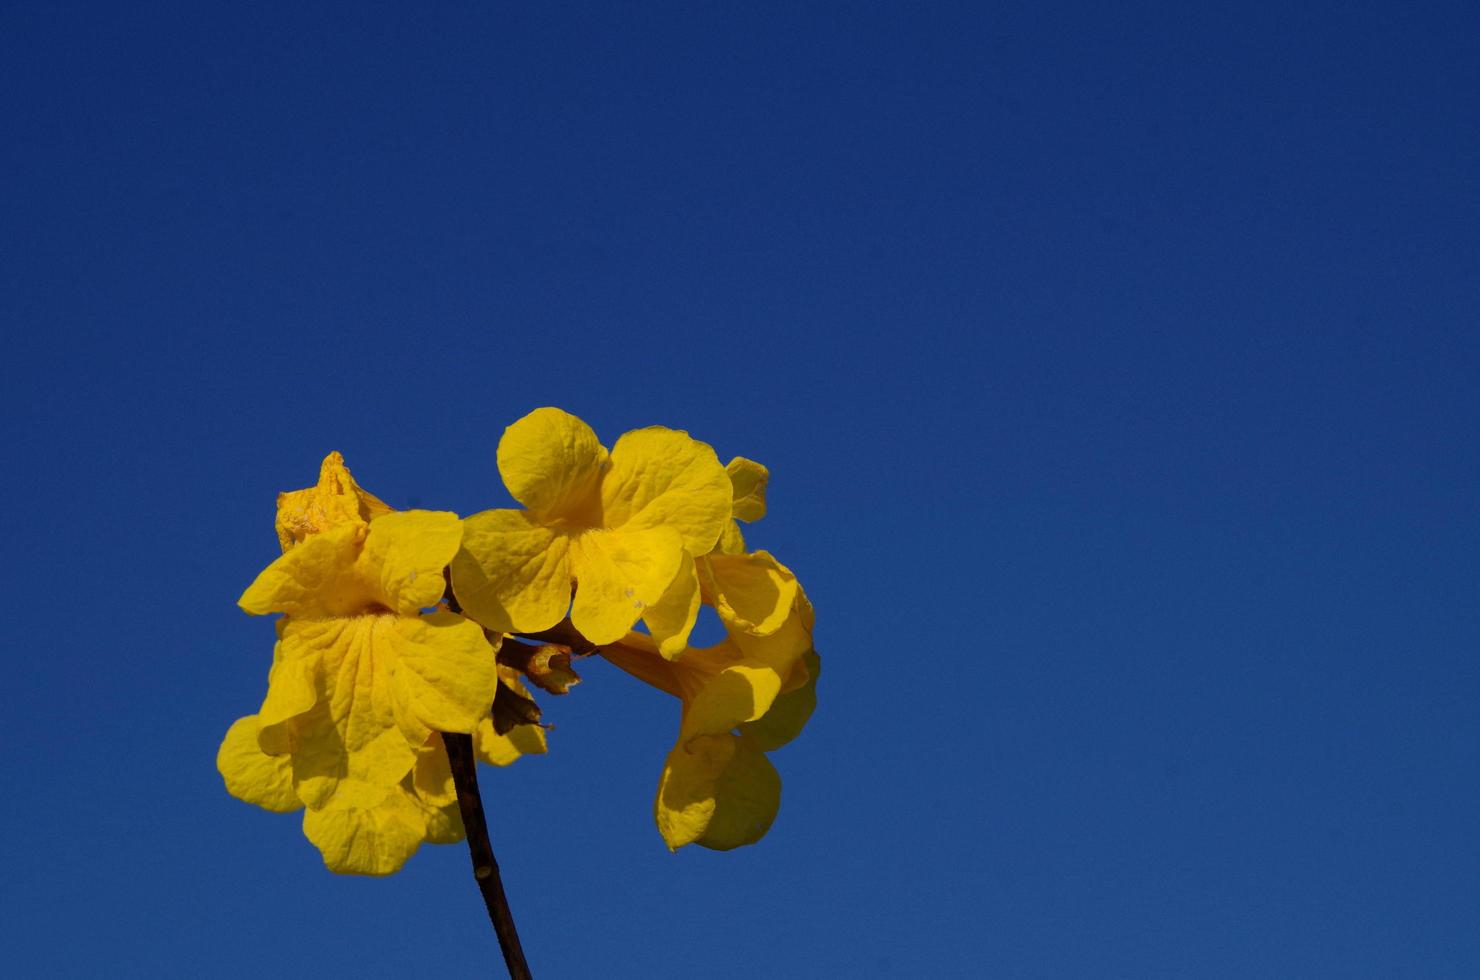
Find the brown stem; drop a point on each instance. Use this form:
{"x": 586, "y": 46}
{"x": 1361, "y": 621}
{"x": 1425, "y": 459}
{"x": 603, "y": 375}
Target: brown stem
{"x": 485, "y": 867}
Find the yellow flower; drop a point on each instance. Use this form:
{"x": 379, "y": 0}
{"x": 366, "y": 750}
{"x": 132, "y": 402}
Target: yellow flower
{"x": 742, "y": 697}
{"x": 361, "y": 674}
{"x": 367, "y": 671}
{"x": 619, "y": 526}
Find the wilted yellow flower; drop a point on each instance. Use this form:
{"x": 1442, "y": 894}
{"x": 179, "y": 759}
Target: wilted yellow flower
{"x": 620, "y": 526}
{"x": 336, "y": 500}
{"x": 741, "y": 698}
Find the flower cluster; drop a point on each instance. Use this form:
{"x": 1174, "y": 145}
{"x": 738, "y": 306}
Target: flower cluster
{"x": 400, "y": 626}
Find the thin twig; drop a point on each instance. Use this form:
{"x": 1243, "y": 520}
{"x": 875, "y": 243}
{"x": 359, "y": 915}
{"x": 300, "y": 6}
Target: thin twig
{"x": 485, "y": 867}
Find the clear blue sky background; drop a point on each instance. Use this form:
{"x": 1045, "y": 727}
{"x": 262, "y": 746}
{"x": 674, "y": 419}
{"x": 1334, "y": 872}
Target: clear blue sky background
{"x": 1115, "y": 364}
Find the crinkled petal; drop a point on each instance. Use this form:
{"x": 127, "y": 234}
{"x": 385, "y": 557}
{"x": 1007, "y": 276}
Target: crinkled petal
{"x": 355, "y": 731}
{"x": 789, "y": 712}
{"x": 315, "y": 578}
{"x": 290, "y": 689}
{"x": 665, "y": 478}
{"x": 619, "y": 574}
{"x": 444, "y": 672}
{"x": 404, "y": 555}
{"x": 512, "y": 574}
{"x": 337, "y": 499}
{"x": 752, "y": 593}
{"x": 671, "y": 619}
{"x": 748, "y": 488}
{"x": 251, "y": 774}
{"x": 367, "y": 840}
{"x": 551, "y": 462}
{"x": 736, "y": 694}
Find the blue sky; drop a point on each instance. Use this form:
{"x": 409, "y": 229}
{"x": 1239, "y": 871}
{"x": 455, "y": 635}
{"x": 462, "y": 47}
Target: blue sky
{"x": 1116, "y": 369}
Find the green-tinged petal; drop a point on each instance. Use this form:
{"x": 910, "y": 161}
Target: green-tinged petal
{"x": 737, "y": 694}
{"x": 251, "y": 774}
{"x": 748, "y": 488}
{"x": 337, "y": 499}
{"x": 367, "y": 840}
{"x": 747, "y": 796}
{"x": 500, "y": 750}
{"x": 685, "y": 802}
{"x": 551, "y": 462}
{"x": 789, "y": 712}
{"x": 512, "y": 574}
{"x": 664, "y": 477}
{"x": 315, "y": 578}
{"x": 752, "y": 593}
{"x": 619, "y": 574}
{"x": 671, "y": 619}
{"x": 404, "y": 555}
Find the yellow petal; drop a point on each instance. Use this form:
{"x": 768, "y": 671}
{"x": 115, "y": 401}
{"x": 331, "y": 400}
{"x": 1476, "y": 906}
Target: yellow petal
{"x": 403, "y": 557}
{"x": 332, "y": 764}
{"x": 444, "y": 672}
{"x": 748, "y": 488}
{"x": 551, "y": 462}
{"x": 512, "y": 574}
{"x": 737, "y": 694}
{"x": 789, "y": 712}
{"x": 747, "y": 795}
{"x": 782, "y": 649}
{"x": 752, "y": 593}
{"x": 251, "y": 774}
{"x": 619, "y": 574}
{"x": 731, "y": 541}
{"x": 386, "y": 683}
{"x": 685, "y": 801}
{"x": 444, "y": 824}
{"x": 664, "y": 477}
{"x": 315, "y": 578}
{"x": 370, "y": 840}
{"x": 290, "y": 688}
{"x": 431, "y": 777}
{"x": 337, "y": 499}
{"x": 671, "y": 619}
{"x": 500, "y": 750}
